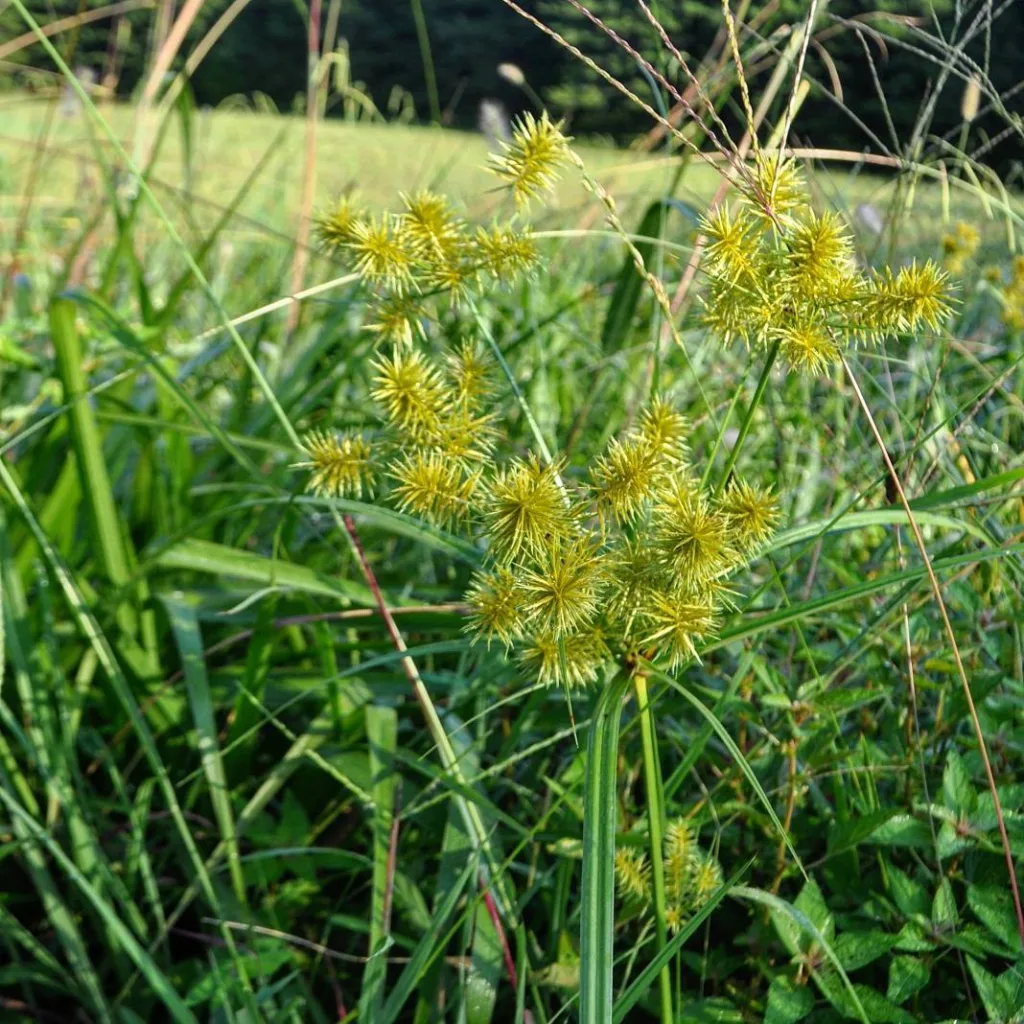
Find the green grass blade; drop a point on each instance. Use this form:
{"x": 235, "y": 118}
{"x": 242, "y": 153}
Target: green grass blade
{"x": 207, "y": 557}
{"x": 85, "y": 438}
{"x": 159, "y": 983}
{"x": 382, "y": 736}
{"x": 427, "y": 949}
{"x": 597, "y": 897}
{"x": 185, "y": 627}
{"x": 737, "y": 755}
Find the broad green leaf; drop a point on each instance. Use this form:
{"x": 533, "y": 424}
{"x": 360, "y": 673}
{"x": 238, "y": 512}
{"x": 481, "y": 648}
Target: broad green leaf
{"x": 907, "y": 976}
{"x": 802, "y": 932}
{"x": 858, "y": 949}
{"x": 849, "y": 833}
{"x": 787, "y": 1001}
{"x": 957, "y": 791}
{"x": 903, "y": 830}
{"x": 994, "y": 907}
{"x": 944, "y": 914}
{"x": 907, "y": 893}
{"x": 993, "y": 993}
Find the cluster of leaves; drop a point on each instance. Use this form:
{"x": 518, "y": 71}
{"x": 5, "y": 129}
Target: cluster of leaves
{"x": 630, "y": 560}
{"x": 781, "y": 276}
{"x": 913, "y": 921}
{"x": 692, "y": 876}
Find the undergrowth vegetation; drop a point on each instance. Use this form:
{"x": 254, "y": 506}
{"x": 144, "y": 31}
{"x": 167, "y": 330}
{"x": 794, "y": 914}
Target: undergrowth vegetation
{"x": 491, "y": 615}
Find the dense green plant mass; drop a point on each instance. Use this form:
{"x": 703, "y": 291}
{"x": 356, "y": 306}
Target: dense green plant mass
{"x": 286, "y": 578}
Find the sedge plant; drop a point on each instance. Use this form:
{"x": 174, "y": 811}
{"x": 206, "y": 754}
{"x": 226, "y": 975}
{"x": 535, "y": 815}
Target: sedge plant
{"x": 603, "y": 570}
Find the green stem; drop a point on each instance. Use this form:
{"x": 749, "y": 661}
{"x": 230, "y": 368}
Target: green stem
{"x": 428, "y": 61}
{"x": 748, "y": 418}
{"x": 655, "y": 831}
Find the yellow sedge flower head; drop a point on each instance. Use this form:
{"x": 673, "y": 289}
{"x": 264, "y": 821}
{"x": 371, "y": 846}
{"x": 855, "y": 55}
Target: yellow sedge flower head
{"x": 529, "y": 164}
{"x": 752, "y": 513}
{"x": 496, "y": 603}
{"x": 340, "y": 464}
{"x": 433, "y": 487}
{"x": 525, "y": 511}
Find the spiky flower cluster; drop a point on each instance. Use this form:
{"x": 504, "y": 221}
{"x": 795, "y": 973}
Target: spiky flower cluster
{"x": 691, "y": 876}
{"x": 426, "y": 250}
{"x": 959, "y": 245}
{"x": 629, "y": 561}
{"x": 780, "y": 274}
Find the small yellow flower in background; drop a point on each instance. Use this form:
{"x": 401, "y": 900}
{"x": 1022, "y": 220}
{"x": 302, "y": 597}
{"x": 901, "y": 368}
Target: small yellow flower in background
{"x": 959, "y": 245}
{"x": 632, "y": 875}
{"x": 529, "y": 164}
{"x": 692, "y": 875}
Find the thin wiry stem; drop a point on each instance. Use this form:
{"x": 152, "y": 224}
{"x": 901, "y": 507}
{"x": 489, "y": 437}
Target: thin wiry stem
{"x": 449, "y": 759}
{"x": 610, "y": 79}
{"x": 958, "y": 661}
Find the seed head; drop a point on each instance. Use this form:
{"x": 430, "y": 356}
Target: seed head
{"x": 433, "y": 487}
{"x": 385, "y": 253}
{"x": 529, "y": 164}
{"x": 397, "y": 319}
{"x": 624, "y": 479}
{"x": 820, "y": 251}
{"x": 707, "y": 879}
{"x": 732, "y": 250}
{"x": 411, "y": 392}
{"x": 633, "y": 876}
{"x": 692, "y": 535}
{"x": 504, "y": 253}
{"x": 681, "y": 851}
{"x": 915, "y": 298}
{"x": 429, "y": 222}
{"x": 497, "y": 607}
{"x": 751, "y": 513}
{"x": 340, "y": 463}
{"x": 561, "y": 592}
{"x": 334, "y": 228}
{"x": 807, "y": 347}
{"x": 524, "y": 510}
{"x": 664, "y": 428}
{"x": 574, "y": 660}
{"x": 676, "y": 623}
{"x": 470, "y": 372}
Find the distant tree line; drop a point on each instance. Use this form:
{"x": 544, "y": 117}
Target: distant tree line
{"x": 868, "y": 45}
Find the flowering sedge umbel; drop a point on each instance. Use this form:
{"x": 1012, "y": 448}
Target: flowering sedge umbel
{"x": 781, "y": 276}
{"x": 630, "y": 560}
